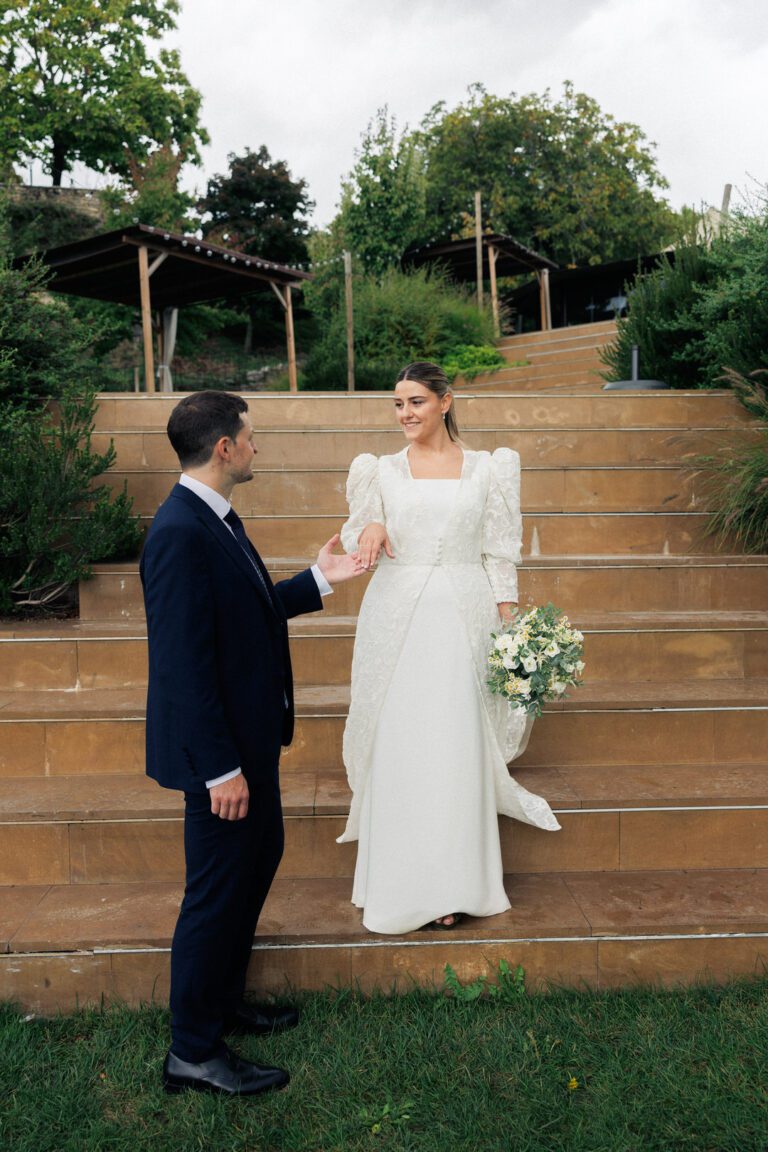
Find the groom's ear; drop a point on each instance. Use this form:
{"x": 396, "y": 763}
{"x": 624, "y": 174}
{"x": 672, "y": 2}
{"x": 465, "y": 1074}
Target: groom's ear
{"x": 222, "y": 448}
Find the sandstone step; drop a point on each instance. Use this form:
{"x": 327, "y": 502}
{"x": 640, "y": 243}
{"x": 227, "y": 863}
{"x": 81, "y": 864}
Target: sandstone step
{"x": 549, "y": 372}
{"x": 518, "y": 381}
{"x": 73, "y": 945}
{"x": 600, "y": 331}
{"x": 552, "y": 379}
{"x": 587, "y": 583}
{"x": 305, "y": 410}
{"x": 568, "y": 355}
{"x": 74, "y": 655}
{"x": 279, "y": 492}
{"x": 544, "y": 534}
{"x": 699, "y": 721}
{"x": 556, "y": 447}
{"x": 663, "y": 786}
{"x": 89, "y": 830}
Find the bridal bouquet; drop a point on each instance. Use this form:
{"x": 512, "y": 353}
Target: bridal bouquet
{"x": 535, "y": 657}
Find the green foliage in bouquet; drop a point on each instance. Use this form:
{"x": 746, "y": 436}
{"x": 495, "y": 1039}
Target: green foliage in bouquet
{"x": 535, "y": 657}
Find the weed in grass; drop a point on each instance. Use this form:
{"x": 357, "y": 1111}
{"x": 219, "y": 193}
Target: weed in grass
{"x": 510, "y": 984}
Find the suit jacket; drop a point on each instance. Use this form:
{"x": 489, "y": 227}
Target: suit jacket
{"x": 219, "y": 663}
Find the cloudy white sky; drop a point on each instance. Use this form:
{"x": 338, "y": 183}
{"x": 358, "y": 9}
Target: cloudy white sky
{"x": 305, "y": 77}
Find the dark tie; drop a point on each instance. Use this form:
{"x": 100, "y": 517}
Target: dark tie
{"x": 236, "y": 525}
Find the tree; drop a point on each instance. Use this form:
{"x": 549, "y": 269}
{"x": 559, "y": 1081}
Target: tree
{"x": 563, "y": 177}
{"x": 80, "y": 84}
{"x": 257, "y": 207}
{"x": 383, "y": 198}
{"x": 153, "y": 195}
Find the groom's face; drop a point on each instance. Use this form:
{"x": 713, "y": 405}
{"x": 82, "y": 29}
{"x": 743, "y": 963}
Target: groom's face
{"x": 243, "y": 452}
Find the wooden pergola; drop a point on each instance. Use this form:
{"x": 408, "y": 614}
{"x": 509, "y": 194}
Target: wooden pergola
{"x": 504, "y": 255}
{"x": 160, "y": 271}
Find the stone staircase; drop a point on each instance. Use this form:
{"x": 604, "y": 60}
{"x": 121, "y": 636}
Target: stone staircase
{"x": 563, "y": 360}
{"x": 656, "y": 766}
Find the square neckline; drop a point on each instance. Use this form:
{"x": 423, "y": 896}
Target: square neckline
{"x": 435, "y": 479}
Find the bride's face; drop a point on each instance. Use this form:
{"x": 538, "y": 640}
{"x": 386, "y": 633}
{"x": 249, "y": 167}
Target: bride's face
{"x": 419, "y": 410}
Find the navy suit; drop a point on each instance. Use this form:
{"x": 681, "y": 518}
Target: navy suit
{"x": 220, "y": 697}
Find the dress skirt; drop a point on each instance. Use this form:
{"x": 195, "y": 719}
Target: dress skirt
{"x": 429, "y": 834}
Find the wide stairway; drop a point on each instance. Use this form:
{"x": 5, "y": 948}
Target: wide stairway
{"x": 564, "y": 360}
{"x": 656, "y": 766}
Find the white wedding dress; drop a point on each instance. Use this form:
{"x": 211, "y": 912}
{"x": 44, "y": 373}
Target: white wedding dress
{"x": 426, "y": 744}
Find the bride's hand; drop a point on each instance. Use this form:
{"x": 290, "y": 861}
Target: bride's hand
{"x": 370, "y": 543}
{"x": 507, "y": 610}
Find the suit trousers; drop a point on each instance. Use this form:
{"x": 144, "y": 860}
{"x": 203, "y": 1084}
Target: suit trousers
{"x": 230, "y": 865}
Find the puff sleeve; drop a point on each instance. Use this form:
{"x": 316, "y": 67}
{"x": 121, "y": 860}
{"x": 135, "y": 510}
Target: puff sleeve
{"x": 364, "y": 499}
{"x": 503, "y": 525}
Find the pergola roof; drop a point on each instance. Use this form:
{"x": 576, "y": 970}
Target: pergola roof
{"x": 184, "y": 270}
{"x": 460, "y": 256}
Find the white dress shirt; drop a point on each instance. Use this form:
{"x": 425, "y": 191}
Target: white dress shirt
{"x": 220, "y": 505}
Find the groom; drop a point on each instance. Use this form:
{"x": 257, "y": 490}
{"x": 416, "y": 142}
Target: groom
{"x": 219, "y": 707}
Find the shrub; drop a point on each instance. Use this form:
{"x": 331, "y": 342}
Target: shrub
{"x": 661, "y": 322}
{"x": 731, "y": 307}
{"x": 736, "y": 475}
{"x": 469, "y": 360}
{"x": 54, "y": 523}
{"x": 702, "y": 313}
{"x": 402, "y": 316}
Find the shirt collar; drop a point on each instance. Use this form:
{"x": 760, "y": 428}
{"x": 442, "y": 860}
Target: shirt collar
{"x": 215, "y": 501}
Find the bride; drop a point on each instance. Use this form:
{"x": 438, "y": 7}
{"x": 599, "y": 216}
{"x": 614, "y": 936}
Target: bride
{"x": 426, "y": 744}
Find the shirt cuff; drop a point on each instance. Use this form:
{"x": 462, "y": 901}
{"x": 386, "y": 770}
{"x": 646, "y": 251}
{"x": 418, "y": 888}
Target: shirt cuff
{"x": 323, "y": 586}
{"x": 222, "y": 779}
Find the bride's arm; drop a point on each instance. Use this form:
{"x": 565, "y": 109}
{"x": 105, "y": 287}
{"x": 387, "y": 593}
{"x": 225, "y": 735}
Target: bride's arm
{"x": 365, "y": 530}
{"x": 503, "y": 529}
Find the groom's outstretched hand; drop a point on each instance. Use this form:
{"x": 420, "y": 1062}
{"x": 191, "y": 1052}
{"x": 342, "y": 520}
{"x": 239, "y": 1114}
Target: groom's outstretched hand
{"x": 337, "y": 569}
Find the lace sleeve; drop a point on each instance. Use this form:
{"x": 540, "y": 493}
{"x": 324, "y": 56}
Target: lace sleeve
{"x": 503, "y": 525}
{"x": 364, "y": 499}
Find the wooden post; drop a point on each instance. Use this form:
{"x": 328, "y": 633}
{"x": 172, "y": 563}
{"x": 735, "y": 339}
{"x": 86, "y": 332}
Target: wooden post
{"x": 492, "y": 253}
{"x": 544, "y": 300}
{"x": 146, "y": 320}
{"x": 350, "y": 321}
{"x": 293, "y": 380}
{"x": 479, "y": 249}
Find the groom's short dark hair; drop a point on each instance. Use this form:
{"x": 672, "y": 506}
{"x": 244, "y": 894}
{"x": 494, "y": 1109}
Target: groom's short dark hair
{"x": 199, "y": 420}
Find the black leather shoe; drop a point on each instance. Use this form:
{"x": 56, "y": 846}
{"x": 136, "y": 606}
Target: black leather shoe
{"x": 227, "y": 1074}
{"x": 261, "y": 1020}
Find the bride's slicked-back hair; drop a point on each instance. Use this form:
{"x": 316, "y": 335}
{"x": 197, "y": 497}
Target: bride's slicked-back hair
{"x": 432, "y": 377}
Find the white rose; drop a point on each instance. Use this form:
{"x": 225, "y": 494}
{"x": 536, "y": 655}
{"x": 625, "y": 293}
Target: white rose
{"x": 579, "y": 666}
{"x": 551, "y": 649}
{"x": 524, "y": 688}
{"x": 558, "y": 687}
{"x": 530, "y": 664}
{"x": 504, "y": 643}
{"x": 509, "y": 660}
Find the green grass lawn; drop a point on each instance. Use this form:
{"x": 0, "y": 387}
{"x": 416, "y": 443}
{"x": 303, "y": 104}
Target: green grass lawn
{"x": 614, "y": 1072}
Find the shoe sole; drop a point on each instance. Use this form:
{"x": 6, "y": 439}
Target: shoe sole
{"x": 173, "y": 1088}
